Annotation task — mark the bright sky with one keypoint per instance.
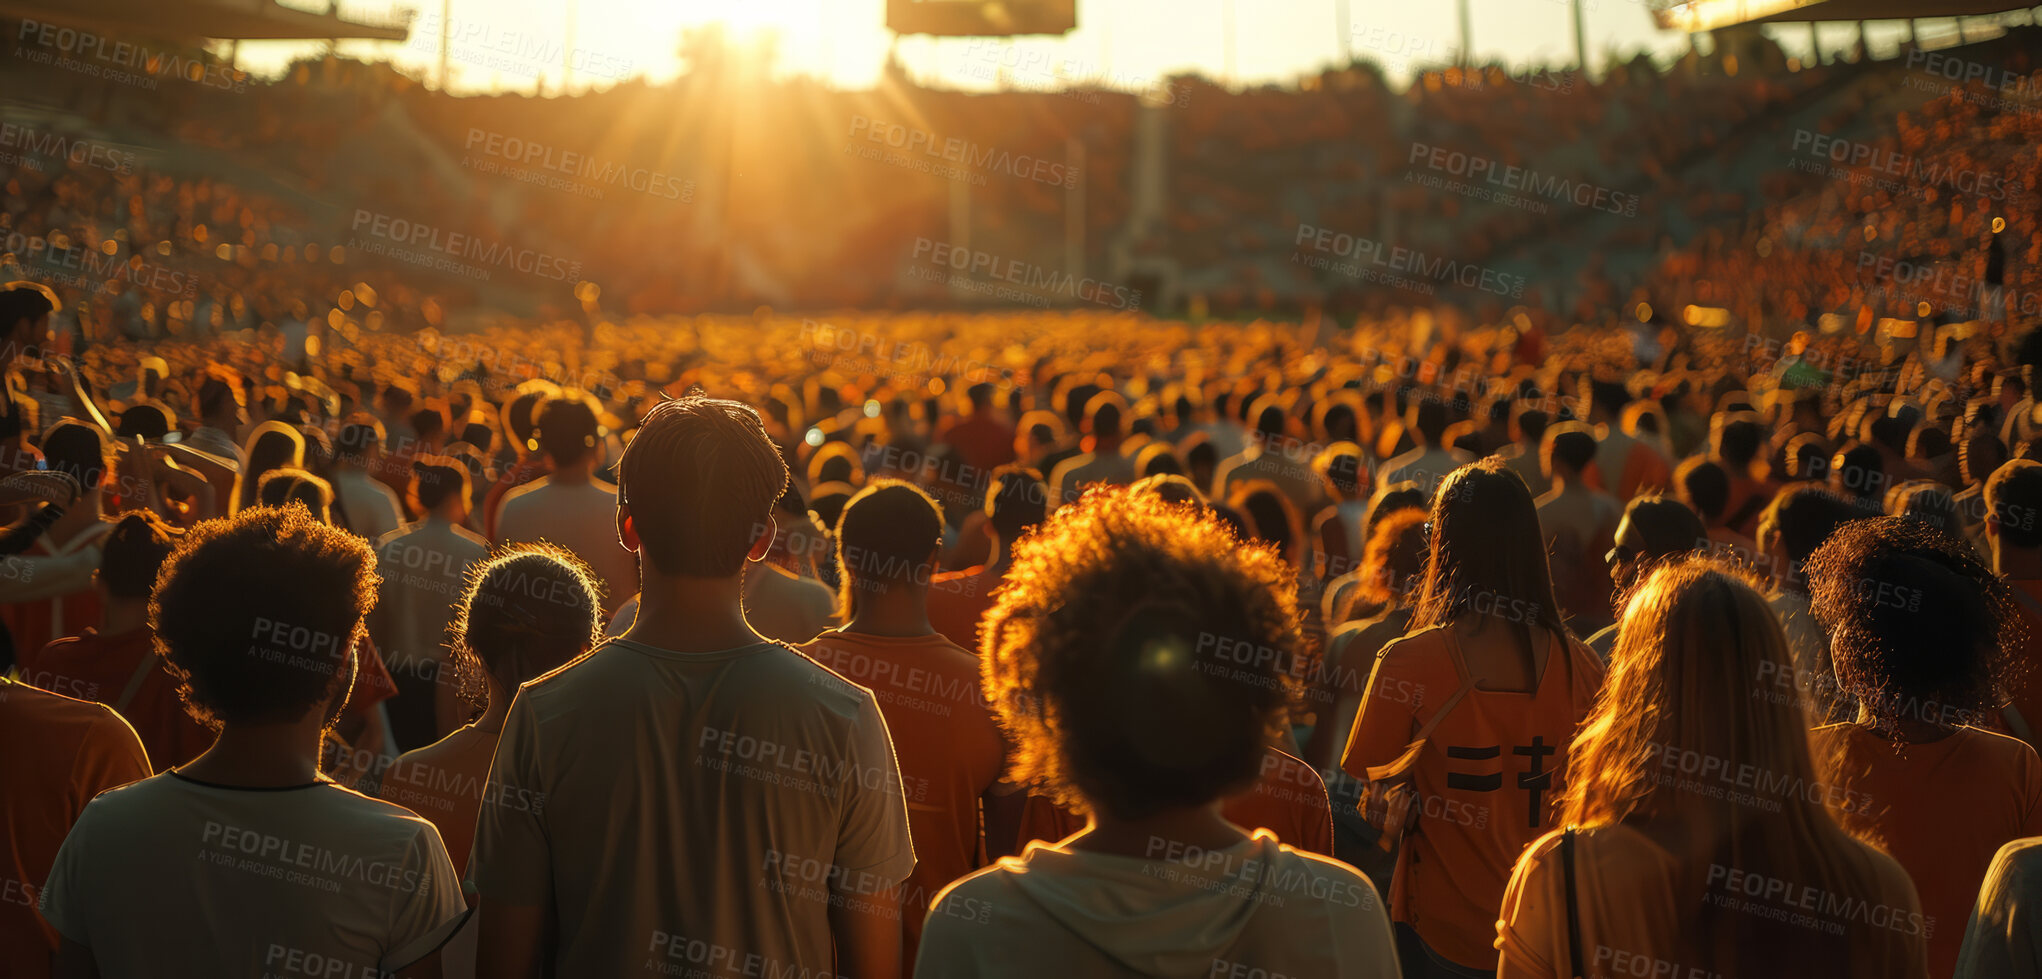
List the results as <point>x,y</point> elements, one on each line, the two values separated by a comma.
<point>1129,44</point>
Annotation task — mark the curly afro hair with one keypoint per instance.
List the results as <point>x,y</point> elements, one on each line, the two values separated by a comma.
<point>257,614</point>
<point>1920,628</point>
<point>1140,654</point>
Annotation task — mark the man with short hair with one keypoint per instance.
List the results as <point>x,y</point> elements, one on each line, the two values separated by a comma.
<point>363,503</point>
<point>1527,436</point>
<point>260,616</point>
<point>981,437</point>
<point>571,507</point>
<point>708,796</point>
<point>780,601</point>
<point>1102,461</point>
<point>1015,501</point>
<point>425,566</point>
<point>2013,528</point>
<point>221,415</point>
<point>46,591</point>
<point>1705,486</point>
<point>1792,526</point>
<point>1654,529</point>
<point>889,540</point>
<point>1579,523</point>
<point>1429,460</point>
<point>520,424</point>
<point>116,664</point>
<point>1271,457</point>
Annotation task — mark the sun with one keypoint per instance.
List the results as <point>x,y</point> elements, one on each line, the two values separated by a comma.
<point>743,18</point>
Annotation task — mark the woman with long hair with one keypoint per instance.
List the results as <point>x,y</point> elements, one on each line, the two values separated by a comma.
<point>1698,839</point>
<point>1487,688</point>
<point>273,445</point>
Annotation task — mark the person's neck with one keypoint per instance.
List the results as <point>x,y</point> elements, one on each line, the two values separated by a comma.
<point>450,513</point>
<point>1905,730</point>
<point>263,755</point>
<point>2020,563</point>
<point>573,474</point>
<point>491,721</point>
<point>120,615</point>
<point>1568,482</point>
<point>1159,836</point>
<point>691,615</point>
<point>902,610</point>
<point>1105,443</point>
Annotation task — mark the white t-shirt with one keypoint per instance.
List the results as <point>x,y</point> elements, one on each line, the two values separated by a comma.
<point>171,876</point>
<point>580,517</point>
<point>692,813</point>
<point>1255,909</point>
<point>372,509</point>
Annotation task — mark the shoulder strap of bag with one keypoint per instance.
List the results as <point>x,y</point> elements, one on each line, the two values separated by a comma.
<point>1432,724</point>
<point>1573,904</point>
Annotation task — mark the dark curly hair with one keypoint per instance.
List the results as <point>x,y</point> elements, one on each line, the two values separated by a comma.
<point>257,614</point>
<point>1919,627</point>
<point>529,610</point>
<point>1140,654</point>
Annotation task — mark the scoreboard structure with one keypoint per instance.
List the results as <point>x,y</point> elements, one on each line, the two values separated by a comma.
<point>981,18</point>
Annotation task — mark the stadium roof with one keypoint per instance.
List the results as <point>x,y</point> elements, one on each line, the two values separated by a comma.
<point>198,20</point>
<point>1704,15</point>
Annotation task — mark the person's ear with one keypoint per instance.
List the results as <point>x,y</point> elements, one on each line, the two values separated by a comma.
<point>762,541</point>
<point>627,531</point>
<point>1992,525</point>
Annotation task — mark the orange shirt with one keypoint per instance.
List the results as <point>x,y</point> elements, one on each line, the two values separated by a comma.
<point>99,668</point>
<point>945,741</point>
<point>1289,799</point>
<point>61,753</point>
<point>958,600</point>
<point>1644,470</point>
<point>1942,809</point>
<point>443,782</point>
<point>1488,780</point>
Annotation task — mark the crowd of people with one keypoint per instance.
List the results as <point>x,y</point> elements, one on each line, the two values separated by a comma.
<point>993,644</point>
<point>343,634</point>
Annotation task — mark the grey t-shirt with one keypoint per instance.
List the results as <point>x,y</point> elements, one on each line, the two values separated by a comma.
<point>170,876</point>
<point>692,813</point>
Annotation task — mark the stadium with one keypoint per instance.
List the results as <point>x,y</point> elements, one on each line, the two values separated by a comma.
<point>1021,487</point>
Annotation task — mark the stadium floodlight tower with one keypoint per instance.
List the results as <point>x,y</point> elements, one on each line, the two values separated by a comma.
<point>1000,18</point>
